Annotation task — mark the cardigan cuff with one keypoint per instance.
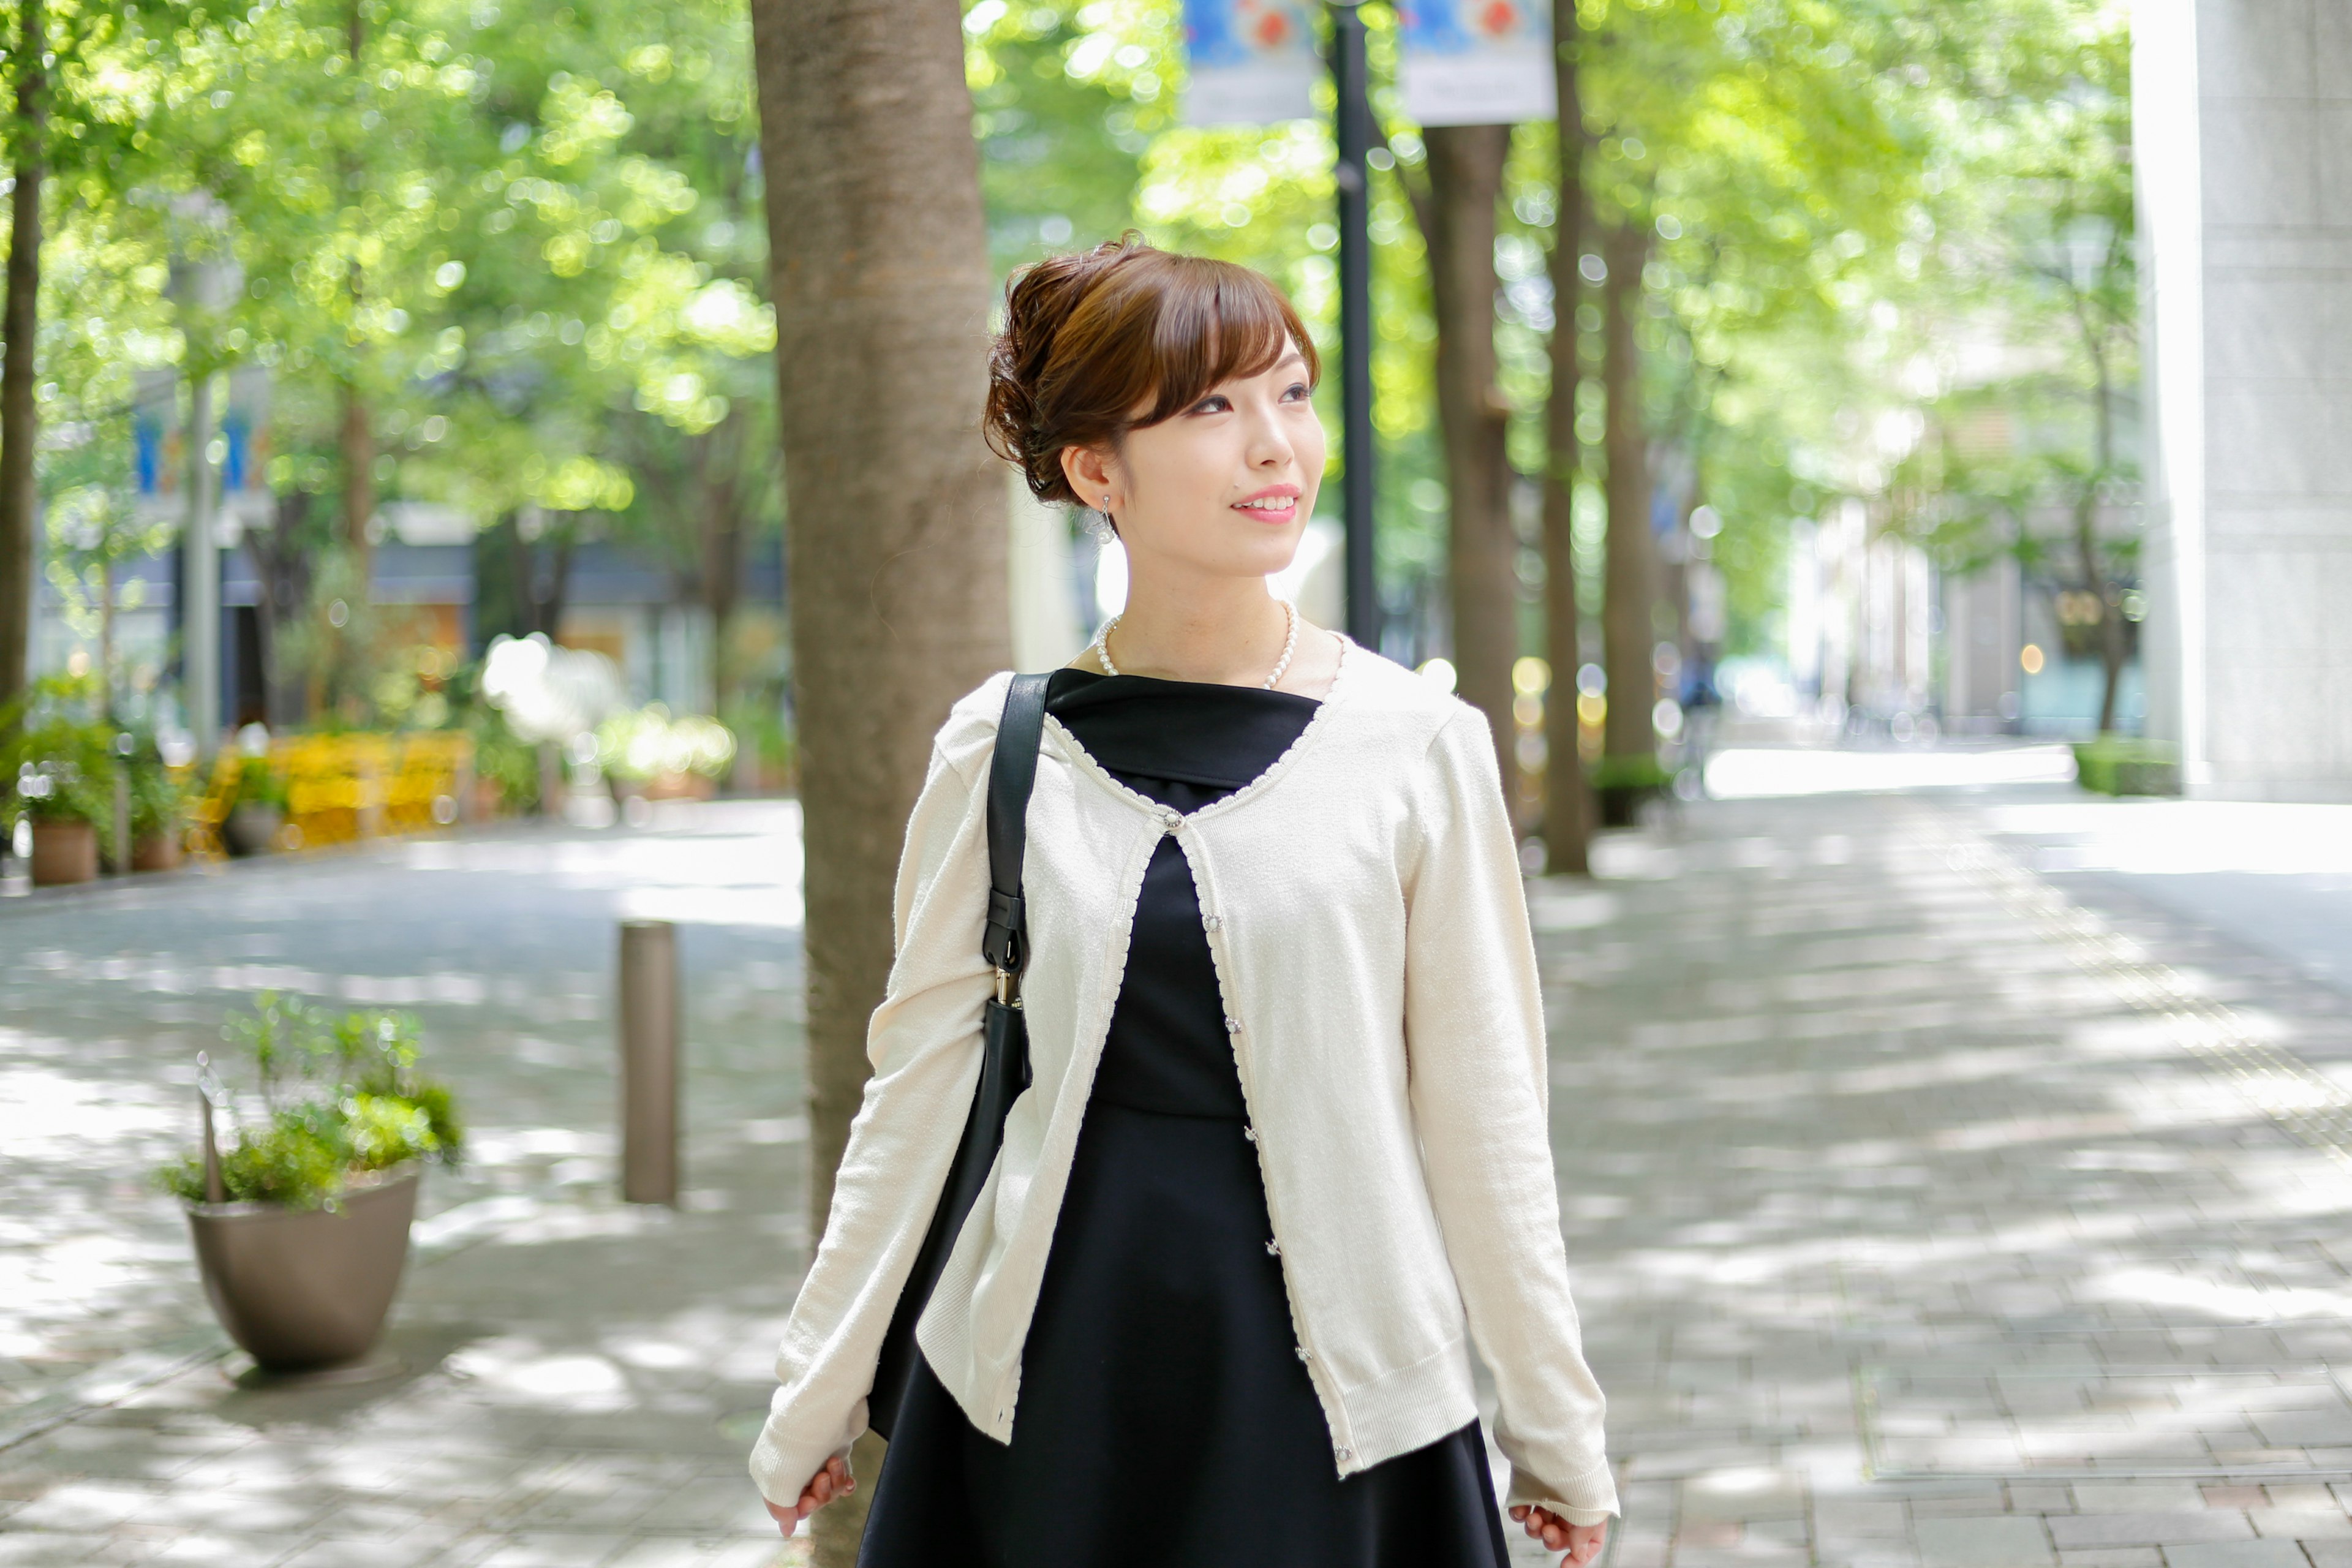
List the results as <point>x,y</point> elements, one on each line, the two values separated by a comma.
<point>1588,1499</point>
<point>782,1467</point>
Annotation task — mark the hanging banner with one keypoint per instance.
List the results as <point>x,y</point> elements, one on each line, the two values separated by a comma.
<point>245,427</point>
<point>1477,62</point>
<point>1253,62</point>
<point>155,457</point>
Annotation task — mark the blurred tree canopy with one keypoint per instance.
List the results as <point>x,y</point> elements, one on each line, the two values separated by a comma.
<point>510,259</point>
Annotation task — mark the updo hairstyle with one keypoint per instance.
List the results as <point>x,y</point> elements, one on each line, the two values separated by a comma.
<point>1123,337</point>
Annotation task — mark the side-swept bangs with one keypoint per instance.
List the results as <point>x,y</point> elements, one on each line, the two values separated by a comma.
<point>1125,337</point>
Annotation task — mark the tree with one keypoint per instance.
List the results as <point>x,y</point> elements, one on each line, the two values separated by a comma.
<point>20,419</point>
<point>2047,261</point>
<point>897,524</point>
<point>1627,635</point>
<point>1568,797</point>
<point>76,76</point>
<point>1457,213</point>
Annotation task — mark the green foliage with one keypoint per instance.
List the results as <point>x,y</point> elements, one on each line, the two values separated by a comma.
<point>58,758</point>
<point>1640,773</point>
<point>648,743</point>
<point>159,801</point>
<point>2120,764</point>
<point>503,757</point>
<point>339,1097</point>
<point>258,782</point>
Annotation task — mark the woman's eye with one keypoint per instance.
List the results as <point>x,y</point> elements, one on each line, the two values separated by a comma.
<point>1298,392</point>
<point>1215,403</point>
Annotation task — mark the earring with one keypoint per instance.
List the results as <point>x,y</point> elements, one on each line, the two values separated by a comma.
<point>1097,524</point>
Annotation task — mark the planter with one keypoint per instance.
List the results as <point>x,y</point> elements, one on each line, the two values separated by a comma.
<point>252,829</point>
<point>1620,805</point>
<point>303,1288</point>
<point>64,852</point>
<point>155,852</point>
<point>680,786</point>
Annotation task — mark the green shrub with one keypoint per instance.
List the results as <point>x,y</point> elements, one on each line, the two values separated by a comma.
<point>258,782</point>
<point>339,1097</point>
<point>503,757</point>
<point>56,757</point>
<point>2124,764</point>
<point>159,803</point>
<point>1630,772</point>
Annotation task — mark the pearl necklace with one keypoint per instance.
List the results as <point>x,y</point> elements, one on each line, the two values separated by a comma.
<point>1289,644</point>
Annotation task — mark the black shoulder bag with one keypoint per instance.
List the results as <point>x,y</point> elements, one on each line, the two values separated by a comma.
<point>1004,1038</point>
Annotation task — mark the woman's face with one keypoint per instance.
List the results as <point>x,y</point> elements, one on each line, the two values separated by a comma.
<point>1221,489</point>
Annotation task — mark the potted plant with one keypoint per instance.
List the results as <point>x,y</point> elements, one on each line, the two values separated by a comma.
<point>256,809</point>
<point>647,753</point>
<point>159,811</point>
<point>59,776</point>
<point>301,1223</point>
<point>1622,784</point>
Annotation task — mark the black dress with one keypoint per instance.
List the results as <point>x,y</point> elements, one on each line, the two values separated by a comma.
<point>1165,1420</point>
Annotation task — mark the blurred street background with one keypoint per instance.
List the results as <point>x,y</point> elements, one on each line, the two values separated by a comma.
<point>477,478</point>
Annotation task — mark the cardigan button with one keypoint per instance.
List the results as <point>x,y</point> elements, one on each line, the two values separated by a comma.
<point>1212,921</point>
<point>1249,1134</point>
<point>1172,820</point>
<point>1274,1249</point>
<point>1344,1455</point>
<point>1232,1025</point>
<point>1303,1355</point>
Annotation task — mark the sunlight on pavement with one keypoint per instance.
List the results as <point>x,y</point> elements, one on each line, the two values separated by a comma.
<point>1755,774</point>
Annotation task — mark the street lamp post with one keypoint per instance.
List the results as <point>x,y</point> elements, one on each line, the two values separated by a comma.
<point>204,279</point>
<point>1353,132</point>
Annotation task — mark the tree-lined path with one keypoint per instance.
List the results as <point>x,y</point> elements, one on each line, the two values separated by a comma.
<point>1926,1207</point>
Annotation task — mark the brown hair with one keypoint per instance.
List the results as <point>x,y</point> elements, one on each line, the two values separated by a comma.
<point>1088,340</point>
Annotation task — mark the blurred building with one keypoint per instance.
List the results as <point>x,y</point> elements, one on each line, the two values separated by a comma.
<point>426,590</point>
<point>2246,233</point>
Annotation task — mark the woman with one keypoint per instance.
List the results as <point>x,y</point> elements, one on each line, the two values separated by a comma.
<point>1286,1148</point>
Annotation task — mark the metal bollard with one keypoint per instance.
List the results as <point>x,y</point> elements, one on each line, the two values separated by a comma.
<point>122,819</point>
<point>649,1042</point>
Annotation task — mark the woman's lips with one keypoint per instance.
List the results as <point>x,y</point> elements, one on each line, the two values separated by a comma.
<point>1272,509</point>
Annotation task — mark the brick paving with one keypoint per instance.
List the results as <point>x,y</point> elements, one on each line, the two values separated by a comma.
<point>1927,1209</point>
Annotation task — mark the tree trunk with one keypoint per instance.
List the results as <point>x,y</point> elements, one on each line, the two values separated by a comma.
<point>358,442</point>
<point>1465,182</point>
<point>1568,799</point>
<point>2095,583</point>
<point>897,514</point>
<point>281,575</point>
<point>1626,633</point>
<point>719,526</point>
<point>20,418</point>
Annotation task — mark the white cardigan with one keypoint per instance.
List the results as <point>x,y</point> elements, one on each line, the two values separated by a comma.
<point>1363,904</point>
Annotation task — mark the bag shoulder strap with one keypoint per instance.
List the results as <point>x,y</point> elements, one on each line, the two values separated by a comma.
<point>1011,773</point>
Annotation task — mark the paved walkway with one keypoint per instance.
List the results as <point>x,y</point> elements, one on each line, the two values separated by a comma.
<point>1930,1212</point>
<point>583,1377</point>
<point>1937,1196</point>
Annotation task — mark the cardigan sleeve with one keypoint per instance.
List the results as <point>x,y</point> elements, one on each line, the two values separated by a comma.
<point>924,1044</point>
<point>1480,1093</point>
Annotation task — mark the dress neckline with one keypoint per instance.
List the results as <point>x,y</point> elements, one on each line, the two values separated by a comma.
<point>1317,710</point>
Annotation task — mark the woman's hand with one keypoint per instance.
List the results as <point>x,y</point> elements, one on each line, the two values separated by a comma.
<point>1583,1542</point>
<point>834,1480</point>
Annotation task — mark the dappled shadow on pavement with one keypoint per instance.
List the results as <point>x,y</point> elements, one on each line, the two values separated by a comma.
<point>1903,1232</point>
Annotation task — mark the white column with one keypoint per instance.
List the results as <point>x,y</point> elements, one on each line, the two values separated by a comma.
<point>2244,145</point>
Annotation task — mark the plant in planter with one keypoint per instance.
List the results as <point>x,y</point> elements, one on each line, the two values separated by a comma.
<point>256,807</point>
<point>648,752</point>
<point>302,1224</point>
<point>1622,784</point>
<point>58,772</point>
<point>159,811</point>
